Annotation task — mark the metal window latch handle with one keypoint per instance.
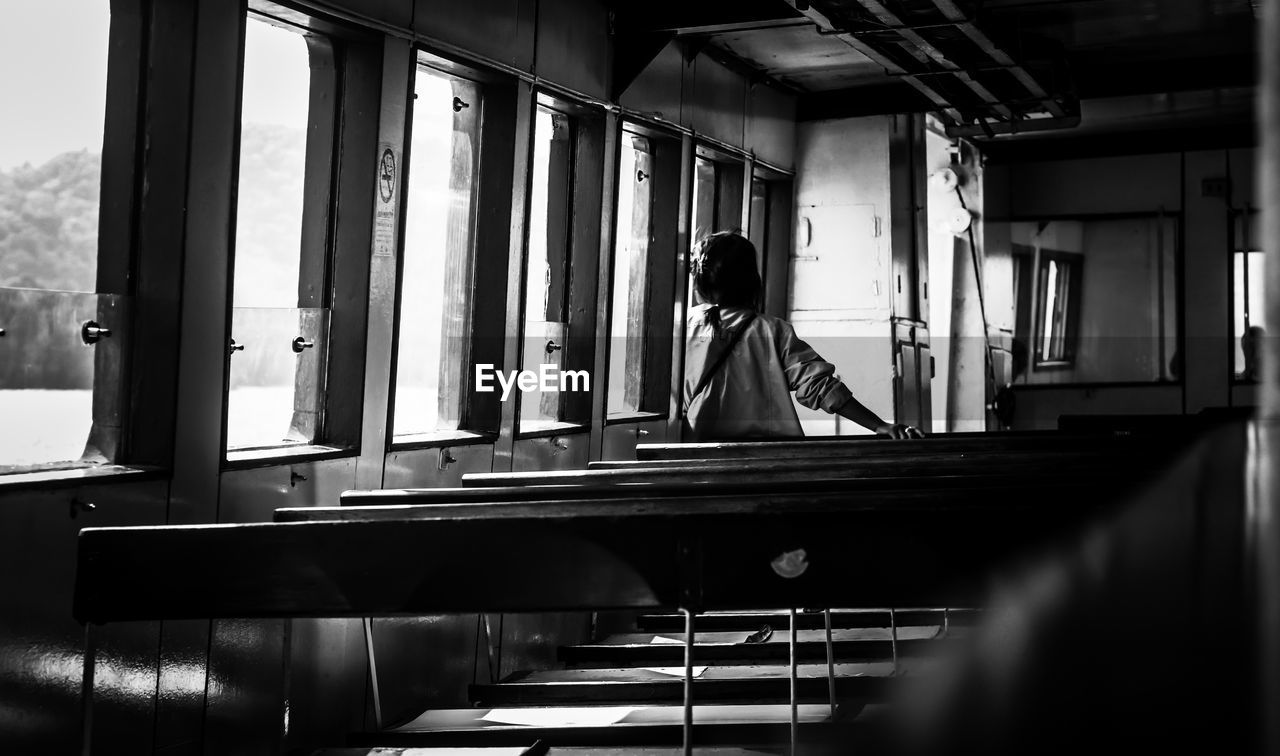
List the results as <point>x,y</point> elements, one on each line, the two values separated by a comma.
<point>641,175</point>
<point>553,347</point>
<point>446,459</point>
<point>2,333</point>
<point>641,432</point>
<point>558,445</point>
<point>459,104</point>
<point>80,505</point>
<point>92,333</point>
<point>301,343</point>
<point>234,347</point>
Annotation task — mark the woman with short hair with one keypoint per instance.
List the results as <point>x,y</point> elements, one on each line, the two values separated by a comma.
<point>741,365</point>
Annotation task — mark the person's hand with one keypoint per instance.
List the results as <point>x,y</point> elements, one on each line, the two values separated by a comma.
<point>898,431</point>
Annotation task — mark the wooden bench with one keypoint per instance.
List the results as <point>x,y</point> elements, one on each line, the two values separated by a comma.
<point>841,446</point>
<point>922,531</point>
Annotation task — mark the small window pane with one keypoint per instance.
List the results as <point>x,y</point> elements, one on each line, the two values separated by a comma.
<point>547,275</point>
<point>630,277</point>
<point>273,162</point>
<point>435,304</point>
<point>272,380</point>
<point>704,213</point>
<point>50,181</point>
<point>1248,270</point>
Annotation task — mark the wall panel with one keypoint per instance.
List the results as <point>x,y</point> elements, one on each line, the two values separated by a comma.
<point>573,48</point>
<point>658,92</point>
<point>771,125</point>
<point>41,645</point>
<point>719,102</point>
<point>501,30</point>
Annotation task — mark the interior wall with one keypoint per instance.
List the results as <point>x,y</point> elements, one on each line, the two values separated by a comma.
<point>1172,182</point>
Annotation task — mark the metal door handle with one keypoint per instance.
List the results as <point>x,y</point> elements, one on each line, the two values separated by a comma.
<point>234,347</point>
<point>553,347</point>
<point>92,333</point>
<point>301,343</point>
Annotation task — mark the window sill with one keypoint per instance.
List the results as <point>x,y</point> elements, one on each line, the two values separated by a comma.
<point>238,459</point>
<point>622,418</point>
<point>436,439</point>
<point>546,430</point>
<point>68,477</point>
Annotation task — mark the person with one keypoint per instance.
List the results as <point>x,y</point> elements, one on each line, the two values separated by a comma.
<point>741,365</point>
<point>1251,346</point>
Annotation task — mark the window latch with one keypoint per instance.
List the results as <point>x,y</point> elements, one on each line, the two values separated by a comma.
<point>234,347</point>
<point>641,175</point>
<point>301,343</point>
<point>2,332</point>
<point>91,333</point>
<point>459,104</point>
<point>553,347</point>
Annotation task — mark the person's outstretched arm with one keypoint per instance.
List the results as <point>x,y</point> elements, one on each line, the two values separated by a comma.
<point>817,386</point>
<point>854,410</point>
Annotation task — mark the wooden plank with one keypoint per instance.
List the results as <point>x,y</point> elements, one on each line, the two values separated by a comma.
<point>851,645</point>
<point>717,725</point>
<point>717,684</point>
<point>870,492</point>
<point>840,618</point>
<point>819,447</point>
<point>718,553</point>
<point>772,470</point>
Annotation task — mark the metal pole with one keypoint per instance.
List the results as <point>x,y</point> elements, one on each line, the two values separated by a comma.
<point>688,682</point>
<point>893,637</point>
<point>795,709</point>
<point>86,692</point>
<point>831,664</point>
<point>373,674</point>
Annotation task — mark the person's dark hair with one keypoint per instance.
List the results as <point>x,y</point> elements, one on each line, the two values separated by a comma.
<point>725,272</point>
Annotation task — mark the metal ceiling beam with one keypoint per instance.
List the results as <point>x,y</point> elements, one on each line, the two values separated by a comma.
<point>953,13</point>
<point>826,25</point>
<point>895,24</point>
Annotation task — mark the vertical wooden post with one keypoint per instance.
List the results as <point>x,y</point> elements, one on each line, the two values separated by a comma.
<point>1266,512</point>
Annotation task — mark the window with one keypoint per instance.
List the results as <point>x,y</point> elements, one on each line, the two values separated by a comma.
<point>546,317</point>
<point>1058,314</point>
<point>632,242</point>
<point>704,212</point>
<point>1095,299</point>
<point>280,319</point>
<point>53,367</point>
<point>1247,275</point>
<point>434,324</point>
<point>717,201</point>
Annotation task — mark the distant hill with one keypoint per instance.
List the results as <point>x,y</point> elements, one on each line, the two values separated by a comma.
<point>49,219</point>
<point>49,223</point>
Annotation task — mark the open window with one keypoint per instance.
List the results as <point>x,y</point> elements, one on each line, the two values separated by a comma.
<point>770,231</point>
<point>64,270</point>
<point>560,273</point>
<point>279,347</point>
<point>1057,313</point>
<point>1070,325</point>
<point>717,200</point>
<point>434,323</point>
<point>1247,275</point>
